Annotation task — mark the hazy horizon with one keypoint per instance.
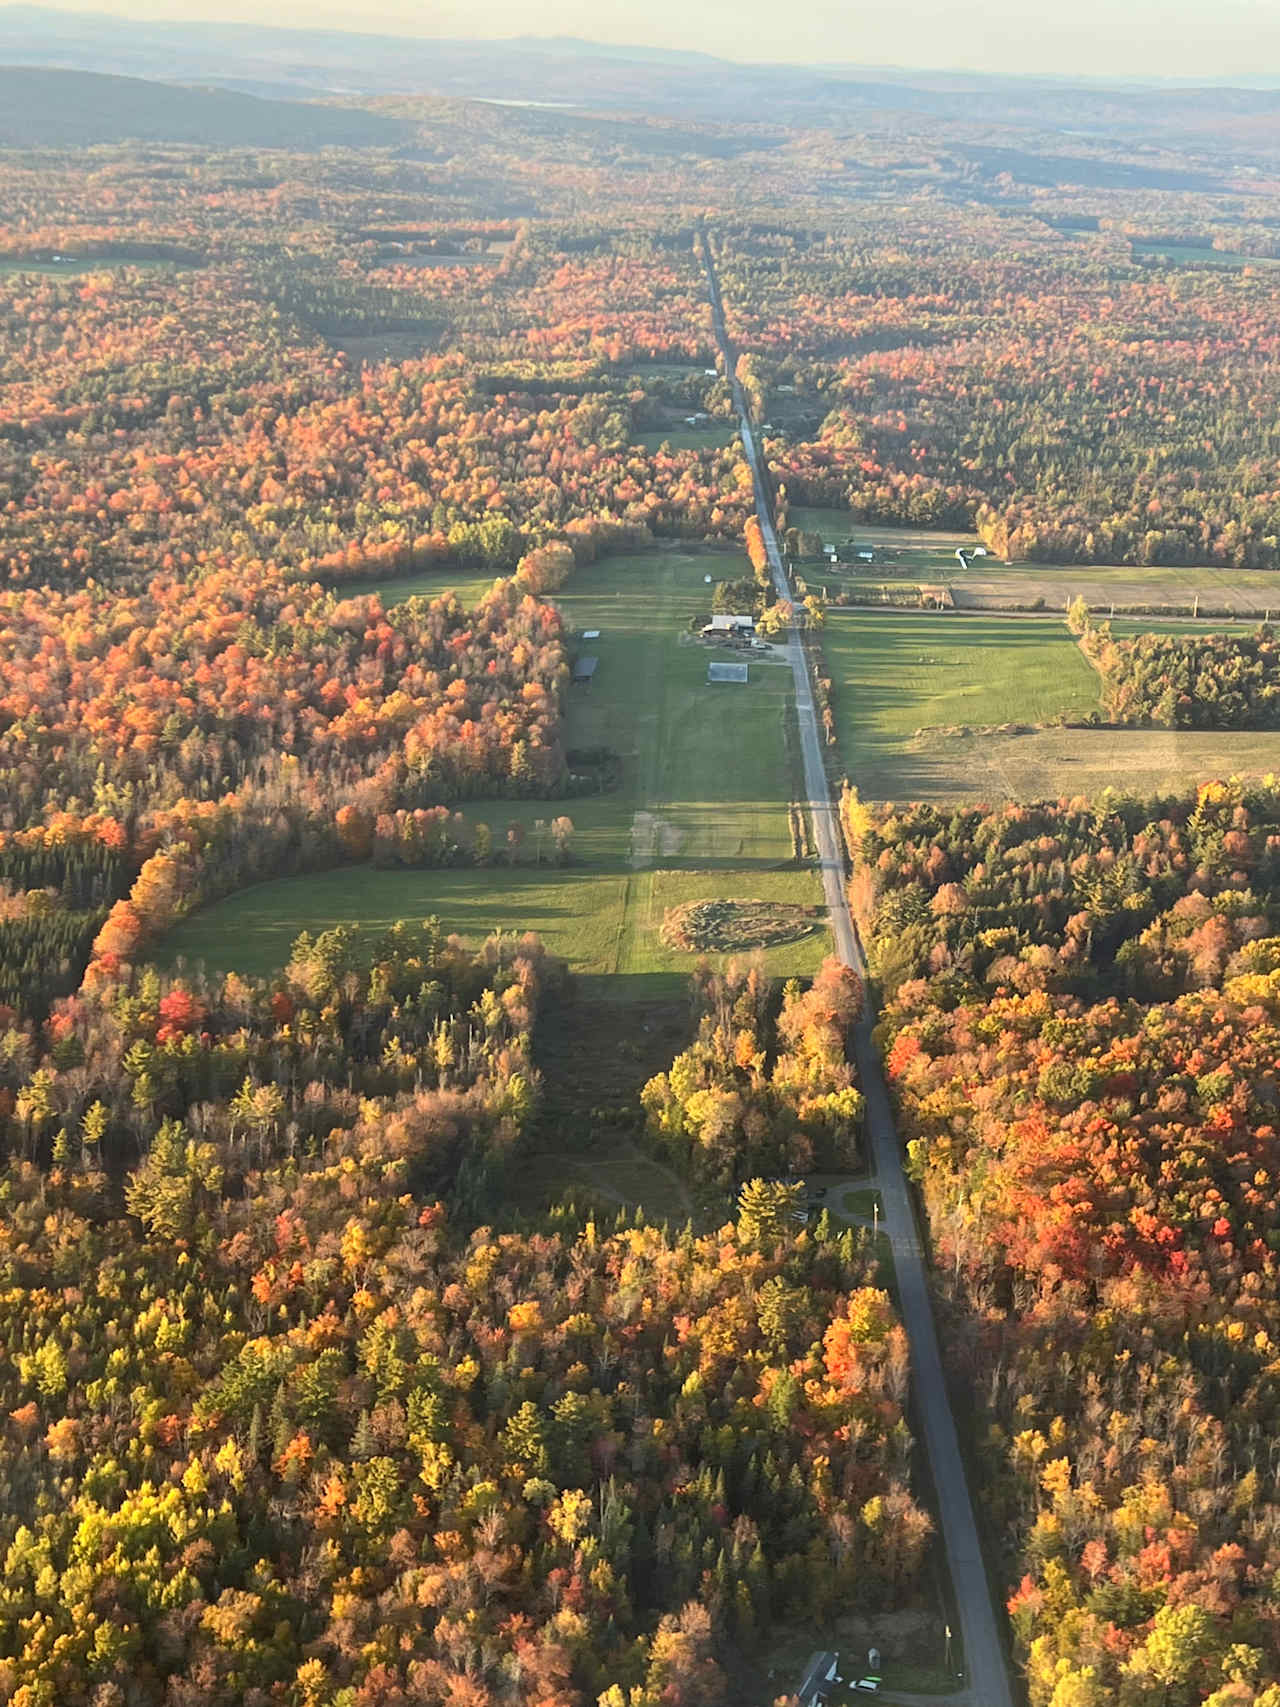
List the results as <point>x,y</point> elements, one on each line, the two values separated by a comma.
<point>1145,39</point>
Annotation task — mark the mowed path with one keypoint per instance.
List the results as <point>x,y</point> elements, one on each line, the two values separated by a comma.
<point>988,1675</point>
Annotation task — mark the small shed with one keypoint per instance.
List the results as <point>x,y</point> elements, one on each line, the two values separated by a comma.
<point>718,672</point>
<point>819,1675</point>
<point>591,634</point>
<point>584,668</point>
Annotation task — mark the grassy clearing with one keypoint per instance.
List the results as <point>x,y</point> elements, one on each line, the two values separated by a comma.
<point>860,1202</point>
<point>701,811</point>
<point>574,912</point>
<point>910,1639</point>
<point>1050,763</point>
<point>711,437</point>
<point>991,584</point>
<point>470,585</point>
<point>1175,254</point>
<point>896,674</point>
<point>836,525</point>
<point>92,264</point>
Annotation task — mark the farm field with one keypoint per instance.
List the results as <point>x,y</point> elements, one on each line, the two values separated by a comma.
<point>990,584</point>
<point>91,264</point>
<point>894,674</point>
<point>835,524</point>
<point>701,810</point>
<point>1050,763</point>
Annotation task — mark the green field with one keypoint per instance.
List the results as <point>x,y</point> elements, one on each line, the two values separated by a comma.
<point>711,437</point>
<point>896,674</point>
<point>469,584</point>
<point>701,810</point>
<point>1197,256</point>
<point>919,545</point>
<point>89,264</point>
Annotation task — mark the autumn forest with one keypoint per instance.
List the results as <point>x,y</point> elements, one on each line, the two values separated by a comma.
<point>419,1315</point>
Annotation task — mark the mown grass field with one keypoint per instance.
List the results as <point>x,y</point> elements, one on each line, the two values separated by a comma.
<point>711,437</point>
<point>701,810</point>
<point>470,586</point>
<point>896,673</point>
<point>926,547</point>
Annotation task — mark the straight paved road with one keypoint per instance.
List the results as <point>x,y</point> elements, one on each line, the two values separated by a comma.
<point>988,1676</point>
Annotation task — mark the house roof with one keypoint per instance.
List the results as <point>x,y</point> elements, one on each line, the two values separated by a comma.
<point>820,1670</point>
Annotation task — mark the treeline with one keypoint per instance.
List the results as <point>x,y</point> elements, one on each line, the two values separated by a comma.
<point>1081,1033</point>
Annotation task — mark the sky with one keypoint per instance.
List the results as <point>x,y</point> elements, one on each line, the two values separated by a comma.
<point>1130,38</point>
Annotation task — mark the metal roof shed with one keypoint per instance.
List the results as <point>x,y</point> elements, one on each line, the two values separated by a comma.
<point>584,668</point>
<point>727,673</point>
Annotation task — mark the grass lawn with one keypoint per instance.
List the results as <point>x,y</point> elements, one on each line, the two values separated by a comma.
<point>896,674</point>
<point>701,810</point>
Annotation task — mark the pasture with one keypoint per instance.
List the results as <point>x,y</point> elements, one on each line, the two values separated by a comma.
<point>701,810</point>
<point>894,674</point>
<point>904,682</point>
<point>470,585</point>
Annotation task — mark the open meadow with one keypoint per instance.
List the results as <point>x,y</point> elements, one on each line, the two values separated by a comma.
<point>700,812</point>
<point>895,674</point>
<point>918,698</point>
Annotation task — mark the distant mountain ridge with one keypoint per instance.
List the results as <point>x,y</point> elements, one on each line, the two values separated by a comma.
<point>341,61</point>
<point>60,108</point>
